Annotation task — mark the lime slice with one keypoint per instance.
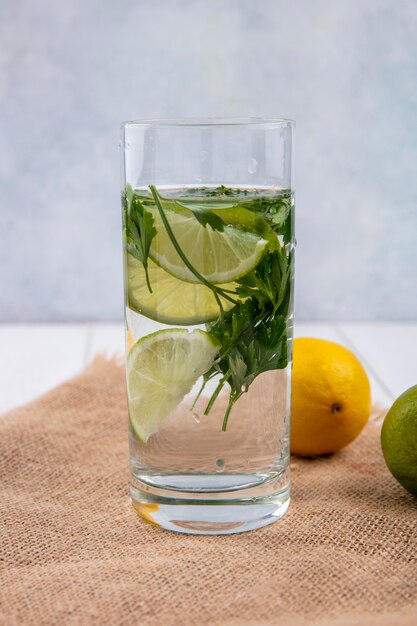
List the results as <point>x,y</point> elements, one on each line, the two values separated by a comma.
<point>161,369</point>
<point>172,301</point>
<point>220,256</point>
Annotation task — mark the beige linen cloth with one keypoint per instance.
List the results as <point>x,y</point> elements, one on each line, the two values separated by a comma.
<point>73,550</point>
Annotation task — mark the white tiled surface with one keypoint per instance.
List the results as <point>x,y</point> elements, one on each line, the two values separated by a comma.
<point>35,358</point>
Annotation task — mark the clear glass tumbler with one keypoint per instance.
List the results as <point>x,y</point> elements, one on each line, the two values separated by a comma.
<point>208,265</point>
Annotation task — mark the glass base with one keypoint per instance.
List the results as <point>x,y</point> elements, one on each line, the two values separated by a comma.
<point>210,516</point>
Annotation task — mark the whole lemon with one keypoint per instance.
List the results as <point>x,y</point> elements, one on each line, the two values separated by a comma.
<point>331,397</point>
<point>399,439</point>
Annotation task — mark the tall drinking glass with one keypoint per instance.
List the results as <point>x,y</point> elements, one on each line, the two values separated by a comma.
<point>208,265</point>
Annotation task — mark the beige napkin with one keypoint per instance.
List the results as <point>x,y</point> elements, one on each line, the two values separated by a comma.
<point>73,551</point>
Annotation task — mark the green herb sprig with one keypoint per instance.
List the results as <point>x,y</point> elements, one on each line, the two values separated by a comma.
<point>277,212</point>
<point>253,342</point>
<point>253,334</point>
<point>138,229</point>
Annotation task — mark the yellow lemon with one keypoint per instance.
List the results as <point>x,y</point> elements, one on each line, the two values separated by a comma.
<point>331,400</point>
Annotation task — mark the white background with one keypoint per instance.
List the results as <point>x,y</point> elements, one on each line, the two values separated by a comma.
<point>70,72</point>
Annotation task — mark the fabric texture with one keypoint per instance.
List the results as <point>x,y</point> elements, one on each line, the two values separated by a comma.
<point>73,550</point>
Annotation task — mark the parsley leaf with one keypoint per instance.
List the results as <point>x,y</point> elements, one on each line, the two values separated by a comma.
<point>270,282</point>
<point>138,229</point>
<point>277,211</point>
<point>204,215</point>
<point>253,342</point>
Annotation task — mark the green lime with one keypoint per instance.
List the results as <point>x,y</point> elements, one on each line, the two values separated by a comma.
<point>172,301</point>
<point>399,439</point>
<point>220,256</point>
<point>161,369</point>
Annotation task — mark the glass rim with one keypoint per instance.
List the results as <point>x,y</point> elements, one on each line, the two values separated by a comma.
<point>201,122</point>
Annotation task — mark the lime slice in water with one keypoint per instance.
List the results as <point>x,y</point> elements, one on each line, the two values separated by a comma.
<point>161,369</point>
<point>220,256</point>
<point>172,301</point>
